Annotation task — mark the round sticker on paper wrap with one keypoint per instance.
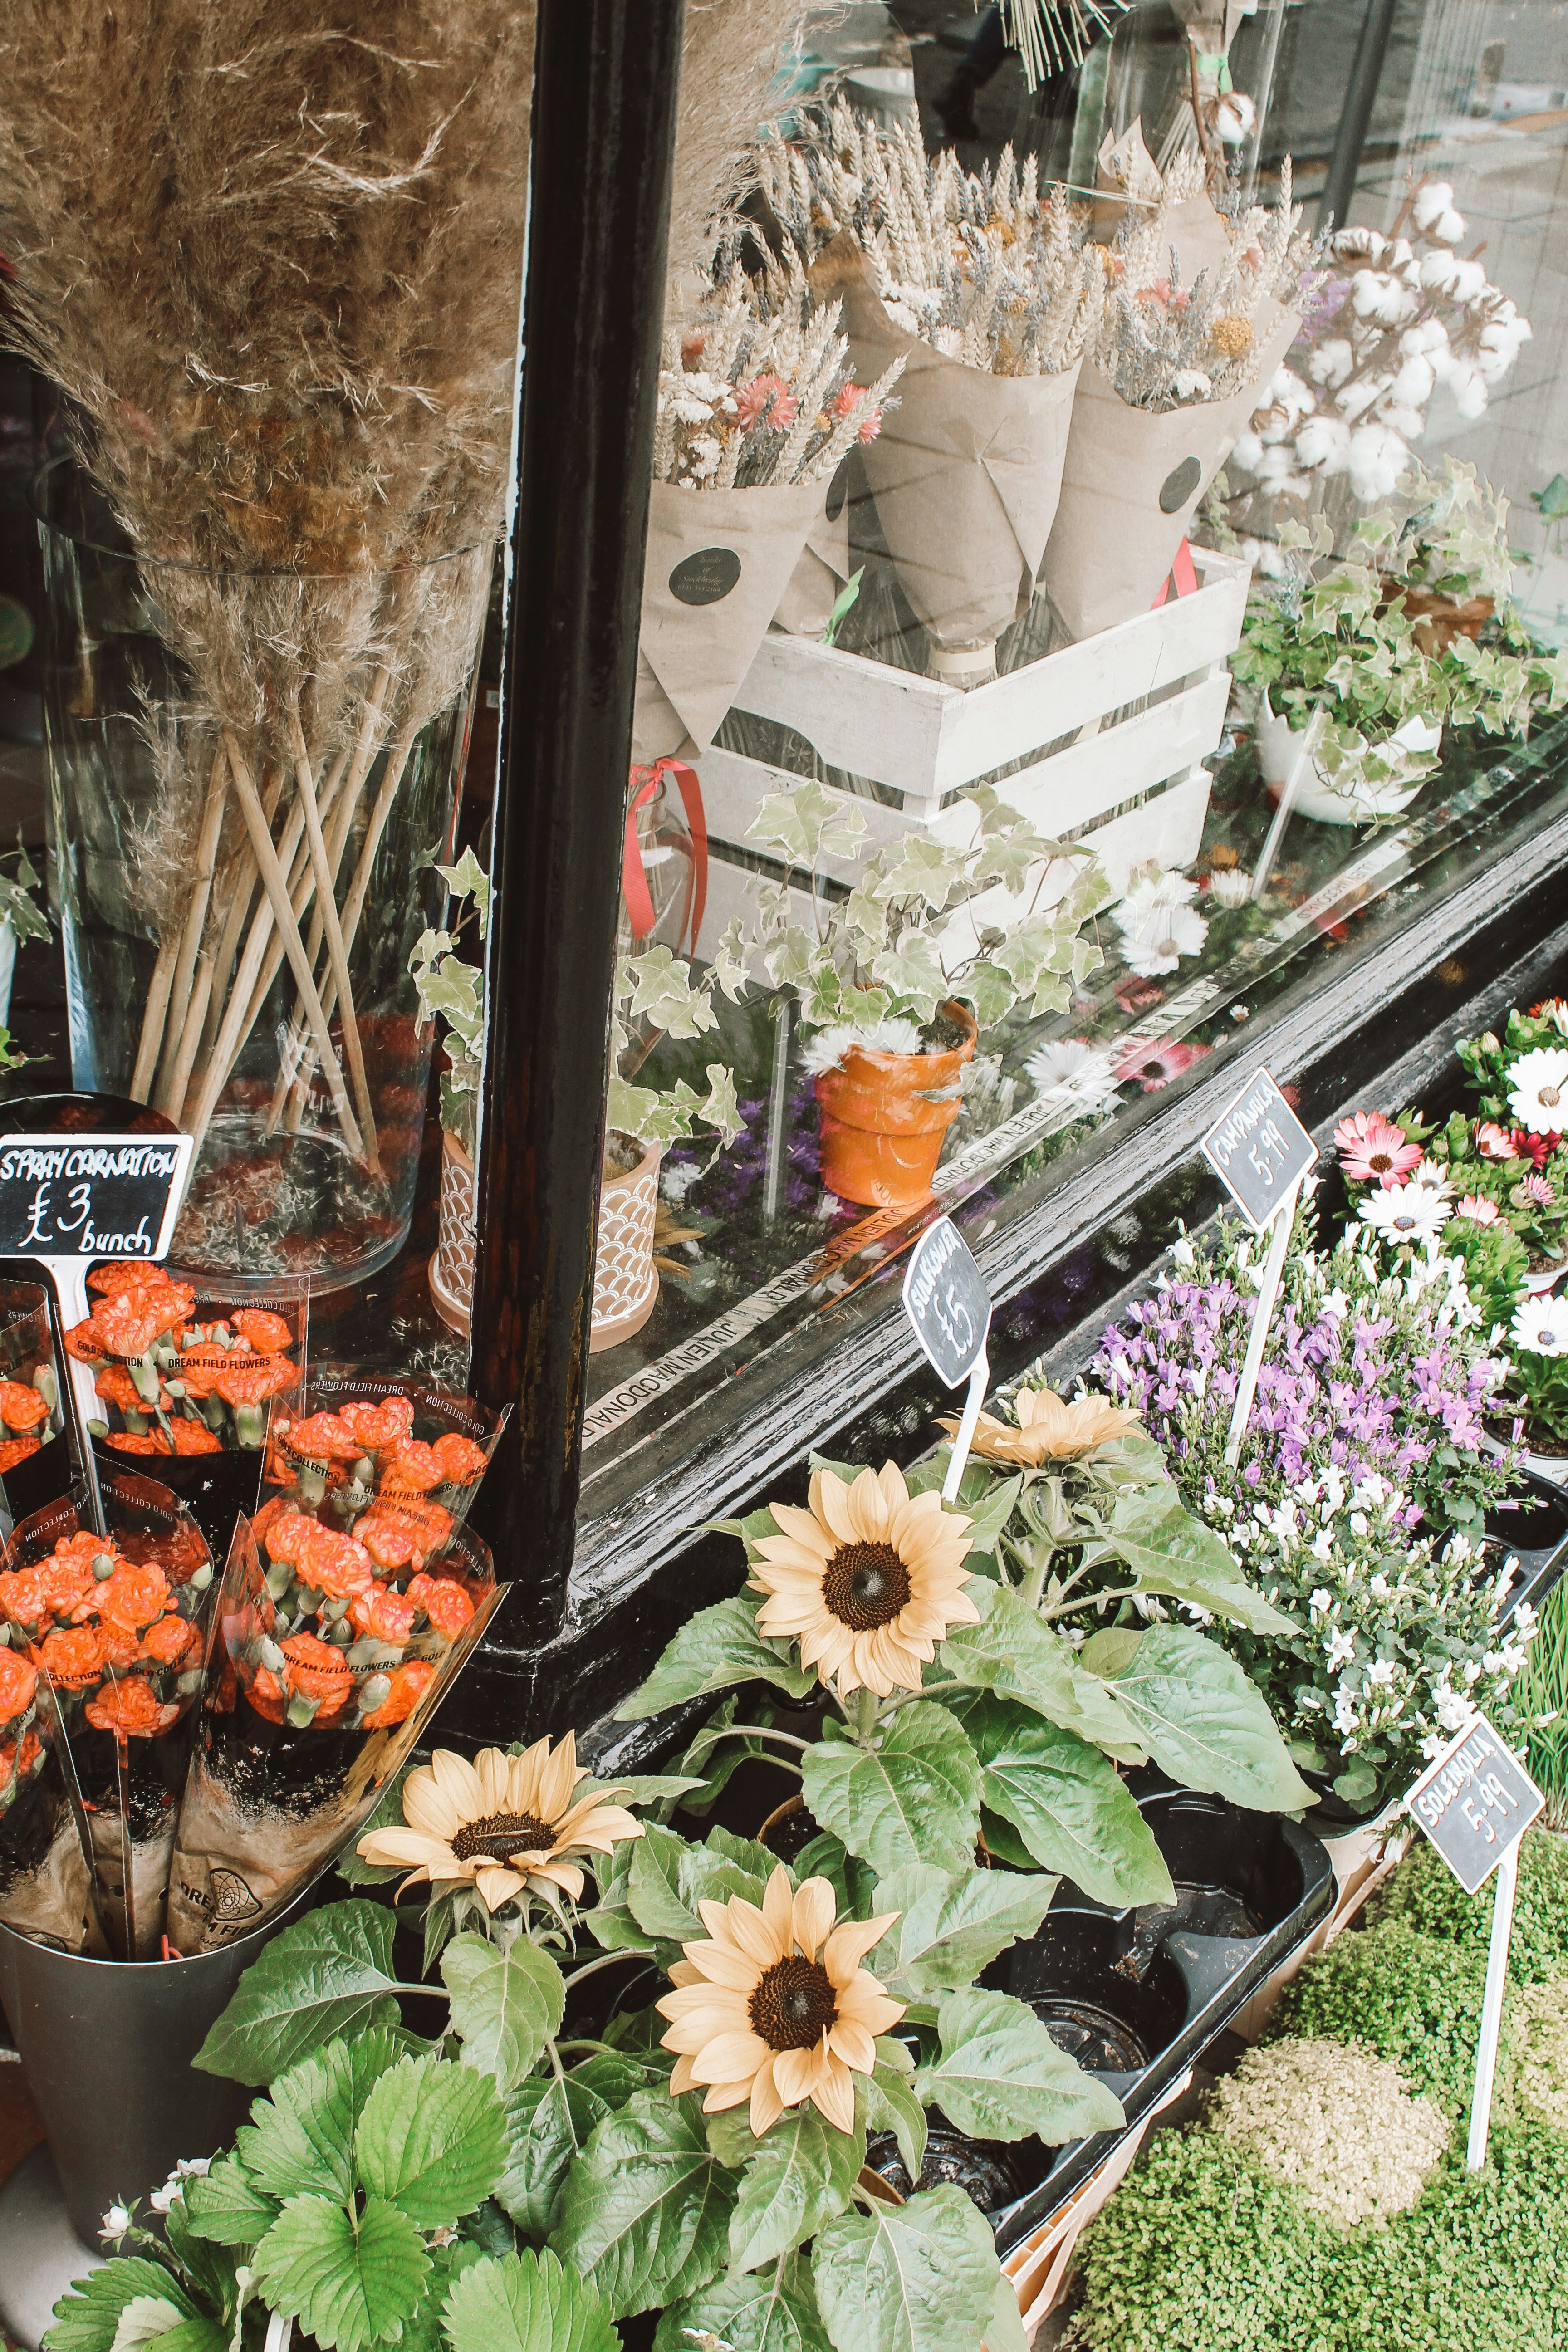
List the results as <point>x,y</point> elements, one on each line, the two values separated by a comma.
<point>706,577</point>
<point>1175,490</point>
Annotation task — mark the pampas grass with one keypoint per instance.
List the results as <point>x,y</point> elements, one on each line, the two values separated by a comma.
<point>730,52</point>
<point>270,250</point>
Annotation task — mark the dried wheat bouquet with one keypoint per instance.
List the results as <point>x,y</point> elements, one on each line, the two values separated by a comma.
<point>271,252</point>
<point>976,263</point>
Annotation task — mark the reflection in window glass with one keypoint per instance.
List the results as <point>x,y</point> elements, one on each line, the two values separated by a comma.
<point>932,877</point>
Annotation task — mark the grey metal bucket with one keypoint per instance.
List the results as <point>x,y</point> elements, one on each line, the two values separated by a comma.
<point>107,2047</point>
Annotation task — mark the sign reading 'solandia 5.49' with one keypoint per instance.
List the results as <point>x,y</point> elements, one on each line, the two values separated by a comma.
<point>93,1196</point>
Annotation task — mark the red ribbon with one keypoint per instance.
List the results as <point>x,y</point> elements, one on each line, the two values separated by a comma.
<point>634,880</point>
<point>1182,577</point>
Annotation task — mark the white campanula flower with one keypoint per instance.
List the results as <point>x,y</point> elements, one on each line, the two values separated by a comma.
<point>1323,1544</point>
<point>1541,1326</point>
<point>1538,1090</point>
<point>1319,1603</point>
<point>1380,1674</point>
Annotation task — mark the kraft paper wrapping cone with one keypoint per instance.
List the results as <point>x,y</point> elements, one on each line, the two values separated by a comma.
<point>825,564</point>
<point>1131,485</point>
<point>718,562</point>
<point>43,1865</point>
<point>965,470</point>
<point>271,1797</point>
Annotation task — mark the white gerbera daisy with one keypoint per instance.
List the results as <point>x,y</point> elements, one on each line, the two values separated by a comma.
<point>1541,1326</point>
<point>1408,1214</point>
<point>1072,1072</point>
<point>1538,1090</point>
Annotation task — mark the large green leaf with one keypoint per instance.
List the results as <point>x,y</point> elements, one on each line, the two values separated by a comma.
<point>891,2103</point>
<point>527,2303</point>
<point>87,2319</point>
<point>1004,2328</point>
<point>1173,1554</point>
<point>301,2140</point>
<point>505,2005</point>
<point>432,2140</point>
<point>952,1924</point>
<point>329,1974</point>
<point>349,2282</point>
<point>1067,1802</point>
<point>766,2311</point>
<point>549,2122</point>
<point>919,2277</point>
<point>646,2207</point>
<point>1014,1652</point>
<point>1201,1717</point>
<point>796,2177</point>
<point>916,1798</point>
<point>1001,2076</point>
<point>713,1650</point>
<point>224,2205</point>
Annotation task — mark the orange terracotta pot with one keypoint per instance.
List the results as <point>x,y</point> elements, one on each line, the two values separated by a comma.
<point>881,1137</point>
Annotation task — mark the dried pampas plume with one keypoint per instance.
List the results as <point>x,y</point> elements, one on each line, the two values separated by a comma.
<point>270,250</point>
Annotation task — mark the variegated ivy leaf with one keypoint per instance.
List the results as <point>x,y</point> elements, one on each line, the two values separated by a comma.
<point>728,967</point>
<point>662,993</point>
<point>720,1111</point>
<point>467,880</point>
<point>923,869</point>
<point>789,958</point>
<point>989,992</point>
<point>808,823</point>
<point>913,970</point>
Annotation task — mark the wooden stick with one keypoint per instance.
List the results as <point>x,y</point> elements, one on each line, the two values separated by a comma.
<point>327,908</point>
<point>354,906</point>
<point>293,945</point>
<point>239,887</point>
<point>228,1043</point>
<point>191,938</point>
<point>171,1100</point>
<point>152,1018</point>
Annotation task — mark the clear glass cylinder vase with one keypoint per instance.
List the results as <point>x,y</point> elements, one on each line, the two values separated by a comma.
<point>220,746</point>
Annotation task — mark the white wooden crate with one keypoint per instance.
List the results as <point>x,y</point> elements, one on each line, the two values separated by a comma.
<point>1140,706</point>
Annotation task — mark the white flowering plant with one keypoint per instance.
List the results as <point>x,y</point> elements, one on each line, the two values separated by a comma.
<point>1158,921</point>
<point>1394,318</point>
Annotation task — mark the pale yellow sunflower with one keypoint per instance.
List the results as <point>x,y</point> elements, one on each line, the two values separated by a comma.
<point>1050,1429</point>
<point>869,1579</point>
<point>774,2005</point>
<point>501,1824</point>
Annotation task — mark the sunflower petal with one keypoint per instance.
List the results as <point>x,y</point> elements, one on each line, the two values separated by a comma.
<point>850,1943</point>
<point>815,1910</point>
<point>767,2104</point>
<point>835,2095</point>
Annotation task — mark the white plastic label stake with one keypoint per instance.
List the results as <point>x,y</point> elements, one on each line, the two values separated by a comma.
<point>949,1307</point>
<point>1268,1290</point>
<point>1474,1802</point>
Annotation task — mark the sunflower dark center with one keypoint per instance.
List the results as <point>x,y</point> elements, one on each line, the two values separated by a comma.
<point>865,1585</point>
<point>793,2004</point>
<point>497,1835</point>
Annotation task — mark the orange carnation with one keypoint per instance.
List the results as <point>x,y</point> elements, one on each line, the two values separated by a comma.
<point>268,1333</point>
<point>322,1437</point>
<point>138,1440</point>
<point>18,1681</point>
<point>376,1425</point>
<point>409,1682</point>
<point>333,1563</point>
<point>132,1597</point>
<point>21,1409</point>
<point>193,1436</point>
<point>384,1615</point>
<point>73,1657</point>
<point>169,1639</point>
<point>460,1459</point>
<point>444,1601</point>
<point>414,1468</point>
<point>318,1671</point>
<point>251,1380</point>
<point>130,1710</point>
<point>16,1449</point>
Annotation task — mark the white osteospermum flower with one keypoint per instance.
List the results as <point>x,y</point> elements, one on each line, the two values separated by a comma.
<point>1230,887</point>
<point>1073,1070</point>
<point>1168,934</point>
<point>1538,1090</point>
<point>828,1048</point>
<point>1541,1326</point>
<point>1404,1215</point>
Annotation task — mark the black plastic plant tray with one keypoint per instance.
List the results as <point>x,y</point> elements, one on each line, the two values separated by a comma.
<point>1537,1533</point>
<point>1136,1996</point>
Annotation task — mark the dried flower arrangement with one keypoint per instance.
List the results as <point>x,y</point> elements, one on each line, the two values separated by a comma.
<point>1165,345</point>
<point>757,388</point>
<point>300,427</point>
<point>1394,318</point>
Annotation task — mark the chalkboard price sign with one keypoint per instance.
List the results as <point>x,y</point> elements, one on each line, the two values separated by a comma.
<point>946,1300</point>
<point>1259,1149</point>
<point>1475,1802</point>
<point>90,1196</point>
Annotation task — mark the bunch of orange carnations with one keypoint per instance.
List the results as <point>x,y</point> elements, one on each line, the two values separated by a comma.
<point>182,1376</point>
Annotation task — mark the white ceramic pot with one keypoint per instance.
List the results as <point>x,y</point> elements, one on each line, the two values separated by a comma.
<point>1548,1278</point>
<point>1278,748</point>
<point>625,1279</point>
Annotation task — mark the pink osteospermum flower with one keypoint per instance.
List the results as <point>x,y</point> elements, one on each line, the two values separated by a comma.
<point>766,400</point>
<point>1479,1211</point>
<point>1155,1067</point>
<point>1494,1142</point>
<point>1537,1190</point>
<point>1372,1149</point>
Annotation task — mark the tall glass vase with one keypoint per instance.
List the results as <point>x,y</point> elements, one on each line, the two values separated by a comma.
<point>221,746</point>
